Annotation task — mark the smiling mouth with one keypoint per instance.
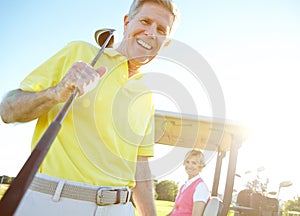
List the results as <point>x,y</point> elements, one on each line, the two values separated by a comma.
<point>144,44</point>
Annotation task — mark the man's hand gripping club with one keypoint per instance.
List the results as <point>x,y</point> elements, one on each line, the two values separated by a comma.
<point>81,76</point>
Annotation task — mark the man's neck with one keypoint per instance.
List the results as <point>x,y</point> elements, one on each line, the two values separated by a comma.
<point>132,69</point>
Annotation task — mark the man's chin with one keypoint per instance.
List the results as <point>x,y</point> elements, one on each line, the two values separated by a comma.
<point>140,61</point>
<point>144,60</point>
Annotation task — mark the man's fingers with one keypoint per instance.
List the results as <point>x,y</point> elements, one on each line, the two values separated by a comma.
<point>101,70</point>
<point>90,84</point>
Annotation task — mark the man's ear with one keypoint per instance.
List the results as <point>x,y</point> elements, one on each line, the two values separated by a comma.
<point>126,21</point>
<point>167,43</point>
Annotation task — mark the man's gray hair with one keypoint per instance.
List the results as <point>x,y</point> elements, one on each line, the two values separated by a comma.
<point>169,4</point>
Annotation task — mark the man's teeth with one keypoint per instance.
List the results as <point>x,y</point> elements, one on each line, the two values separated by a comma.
<point>144,44</point>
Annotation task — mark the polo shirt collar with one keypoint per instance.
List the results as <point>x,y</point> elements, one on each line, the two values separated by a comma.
<point>113,53</point>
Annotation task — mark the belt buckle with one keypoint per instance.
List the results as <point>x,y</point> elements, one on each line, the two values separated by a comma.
<point>99,197</point>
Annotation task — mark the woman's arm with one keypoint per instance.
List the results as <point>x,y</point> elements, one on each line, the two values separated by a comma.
<point>170,212</point>
<point>198,208</point>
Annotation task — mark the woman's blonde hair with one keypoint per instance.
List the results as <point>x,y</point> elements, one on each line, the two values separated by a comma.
<point>169,4</point>
<point>197,154</point>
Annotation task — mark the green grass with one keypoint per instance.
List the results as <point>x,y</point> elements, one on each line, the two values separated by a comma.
<point>230,213</point>
<point>163,207</point>
<point>3,188</point>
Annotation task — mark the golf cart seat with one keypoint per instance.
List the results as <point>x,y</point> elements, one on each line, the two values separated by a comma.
<point>213,207</point>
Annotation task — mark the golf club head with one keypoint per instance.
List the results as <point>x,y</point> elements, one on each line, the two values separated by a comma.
<point>102,34</point>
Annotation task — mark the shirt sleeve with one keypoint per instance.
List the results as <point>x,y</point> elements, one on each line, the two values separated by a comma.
<point>52,71</point>
<point>201,193</point>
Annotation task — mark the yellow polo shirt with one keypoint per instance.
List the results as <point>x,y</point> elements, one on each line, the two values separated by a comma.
<point>105,129</point>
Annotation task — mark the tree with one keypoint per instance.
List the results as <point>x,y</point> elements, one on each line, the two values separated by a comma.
<point>6,179</point>
<point>166,190</point>
<point>292,205</point>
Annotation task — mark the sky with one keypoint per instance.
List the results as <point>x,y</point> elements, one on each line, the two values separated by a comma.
<point>252,47</point>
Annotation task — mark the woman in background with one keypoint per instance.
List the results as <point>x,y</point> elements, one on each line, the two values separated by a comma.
<point>194,194</point>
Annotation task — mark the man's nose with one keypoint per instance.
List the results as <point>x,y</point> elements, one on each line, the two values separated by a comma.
<point>151,31</point>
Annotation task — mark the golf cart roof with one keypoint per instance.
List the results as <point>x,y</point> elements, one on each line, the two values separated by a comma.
<point>191,131</point>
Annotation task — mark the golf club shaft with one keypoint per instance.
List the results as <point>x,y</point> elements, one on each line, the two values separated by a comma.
<point>20,184</point>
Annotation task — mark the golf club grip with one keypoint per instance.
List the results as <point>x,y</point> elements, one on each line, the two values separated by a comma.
<point>20,184</point>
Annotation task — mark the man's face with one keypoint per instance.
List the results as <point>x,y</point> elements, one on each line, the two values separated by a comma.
<point>147,32</point>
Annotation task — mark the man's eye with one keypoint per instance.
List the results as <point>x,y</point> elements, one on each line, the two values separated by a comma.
<point>162,32</point>
<point>145,22</point>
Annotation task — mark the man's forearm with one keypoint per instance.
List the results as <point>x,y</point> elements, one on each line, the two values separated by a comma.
<point>143,191</point>
<point>20,106</point>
